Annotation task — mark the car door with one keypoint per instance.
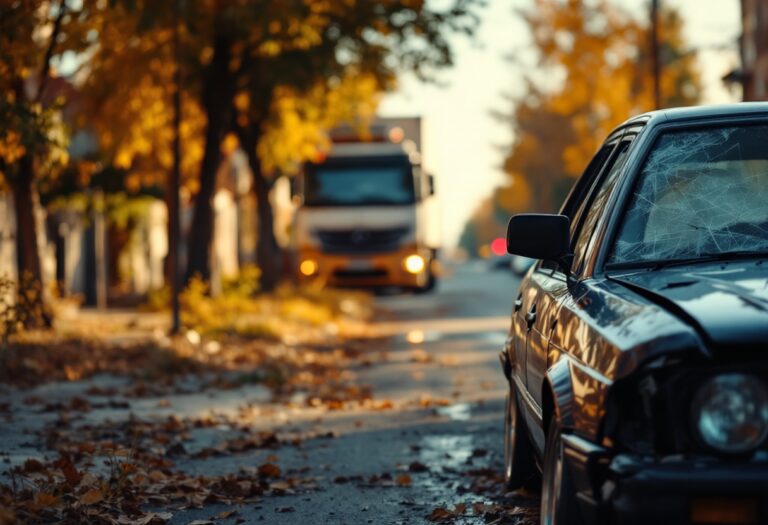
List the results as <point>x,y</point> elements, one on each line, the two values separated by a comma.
<point>539,294</point>
<point>585,304</point>
<point>549,284</point>
<point>524,309</point>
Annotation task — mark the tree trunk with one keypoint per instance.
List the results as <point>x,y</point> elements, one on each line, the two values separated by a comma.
<point>268,253</point>
<point>33,312</point>
<point>217,102</point>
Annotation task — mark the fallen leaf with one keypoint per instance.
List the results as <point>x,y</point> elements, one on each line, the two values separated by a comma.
<point>440,514</point>
<point>418,467</point>
<point>403,480</point>
<point>91,497</point>
<point>280,486</point>
<point>43,500</point>
<point>33,465</point>
<point>147,519</point>
<point>481,509</point>
<point>269,470</point>
<point>69,470</point>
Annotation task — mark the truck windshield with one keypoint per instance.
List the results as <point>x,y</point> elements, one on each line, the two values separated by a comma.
<point>356,186</point>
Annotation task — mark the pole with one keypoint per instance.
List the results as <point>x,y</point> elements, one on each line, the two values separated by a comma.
<point>174,227</point>
<point>655,57</point>
<point>100,249</point>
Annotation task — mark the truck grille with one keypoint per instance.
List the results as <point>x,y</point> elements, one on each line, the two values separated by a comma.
<point>357,241</point>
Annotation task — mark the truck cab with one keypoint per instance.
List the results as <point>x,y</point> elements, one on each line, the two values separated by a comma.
<point>367,216</point>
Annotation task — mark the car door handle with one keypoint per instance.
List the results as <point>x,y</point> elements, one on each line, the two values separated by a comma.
<point>530,317</point>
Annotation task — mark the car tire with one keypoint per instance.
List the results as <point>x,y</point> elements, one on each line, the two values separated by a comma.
<point>558,501</point>
<point>519,466</point>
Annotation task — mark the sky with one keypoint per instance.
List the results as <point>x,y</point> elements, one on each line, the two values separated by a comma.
<point>463,143</point>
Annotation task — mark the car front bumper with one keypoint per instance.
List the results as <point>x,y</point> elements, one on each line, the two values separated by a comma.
<point>627,489</point>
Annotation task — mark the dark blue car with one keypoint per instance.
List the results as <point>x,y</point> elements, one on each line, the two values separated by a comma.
<point>638,354</point>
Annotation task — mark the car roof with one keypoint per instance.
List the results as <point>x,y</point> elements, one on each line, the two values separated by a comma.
<point>698,112</point>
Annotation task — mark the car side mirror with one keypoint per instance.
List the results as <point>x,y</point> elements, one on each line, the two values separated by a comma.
<point>539,236</point>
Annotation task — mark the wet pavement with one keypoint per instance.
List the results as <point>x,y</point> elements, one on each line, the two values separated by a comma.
<point>435,369</point>
<point>441,366</point>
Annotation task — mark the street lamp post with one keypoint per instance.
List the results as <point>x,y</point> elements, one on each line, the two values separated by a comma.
<point>655,58</point>
<point>174,226</point>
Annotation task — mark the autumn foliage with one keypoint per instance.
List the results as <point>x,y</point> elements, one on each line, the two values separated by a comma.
<point>591,71</point>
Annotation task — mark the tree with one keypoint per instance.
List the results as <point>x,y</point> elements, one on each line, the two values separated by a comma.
<point>601,54</point>
<point>259,51</point>
<point>33,34</point>
<point>127,96</point>
<point>249,68</point>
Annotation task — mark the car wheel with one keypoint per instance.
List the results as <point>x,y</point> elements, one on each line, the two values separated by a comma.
<point>558,504</point>
<point>518,453</point>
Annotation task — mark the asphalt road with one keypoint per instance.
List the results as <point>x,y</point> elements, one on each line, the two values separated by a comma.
<point>433,442</point>
<point>439,366</point>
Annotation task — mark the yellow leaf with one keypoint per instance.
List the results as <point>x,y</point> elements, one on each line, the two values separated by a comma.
<point>403,480</point>
<point>43,500</point>
<point>91,497</point>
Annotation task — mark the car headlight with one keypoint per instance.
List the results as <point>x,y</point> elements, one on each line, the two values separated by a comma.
<point>731,412</point>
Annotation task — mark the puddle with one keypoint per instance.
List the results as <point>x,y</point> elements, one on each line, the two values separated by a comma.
<point>457,412</point>
<point>417,337</point>
<point>494,337</point>
<point>446,451</point>
<point>443,454</point>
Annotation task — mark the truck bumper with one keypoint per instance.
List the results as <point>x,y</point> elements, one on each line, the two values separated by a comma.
<point>369,270</point>
<point>629,490</point>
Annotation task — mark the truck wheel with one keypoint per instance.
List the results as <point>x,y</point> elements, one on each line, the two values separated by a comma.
<point>558,501</point>
<point>429,285</point>
<point>518,452</point>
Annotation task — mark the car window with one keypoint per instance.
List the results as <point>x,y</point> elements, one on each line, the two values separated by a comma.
<point>595,205</point>
<point>575,203</point>
<point>699,193</point>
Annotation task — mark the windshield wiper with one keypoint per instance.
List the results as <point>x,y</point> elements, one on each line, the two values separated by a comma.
<point>658,264</point>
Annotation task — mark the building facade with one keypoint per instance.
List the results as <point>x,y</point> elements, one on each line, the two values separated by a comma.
<point>754,49</point>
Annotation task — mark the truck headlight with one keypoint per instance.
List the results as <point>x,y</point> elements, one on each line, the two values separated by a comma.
<point>414,264</point>
<point>731,412</point>
<point>308,267</point>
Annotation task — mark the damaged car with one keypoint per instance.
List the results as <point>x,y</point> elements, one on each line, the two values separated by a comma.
<point>637,357</point>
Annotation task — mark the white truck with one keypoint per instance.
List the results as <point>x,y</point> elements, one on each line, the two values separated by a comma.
<point>367,213</point>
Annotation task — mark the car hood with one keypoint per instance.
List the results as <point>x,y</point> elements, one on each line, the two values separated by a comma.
<point>726,302</point>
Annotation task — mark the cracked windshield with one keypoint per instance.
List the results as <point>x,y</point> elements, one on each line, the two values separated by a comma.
<point>257,263</point>
<point>713,183</point>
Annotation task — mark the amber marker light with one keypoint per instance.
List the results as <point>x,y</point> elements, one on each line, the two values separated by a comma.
<point>414,264</point>
<point>308,267</point>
